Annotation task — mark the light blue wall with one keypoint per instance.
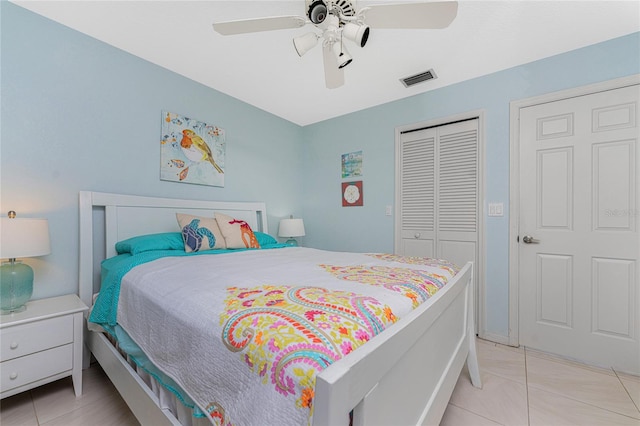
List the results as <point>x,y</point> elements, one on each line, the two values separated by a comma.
<point>78,114</point>
<point>367,228</point>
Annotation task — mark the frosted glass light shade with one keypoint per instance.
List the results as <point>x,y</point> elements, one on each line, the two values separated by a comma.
<point>20,238</point>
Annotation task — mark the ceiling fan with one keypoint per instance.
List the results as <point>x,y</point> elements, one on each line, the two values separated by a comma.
<point>338,20</point>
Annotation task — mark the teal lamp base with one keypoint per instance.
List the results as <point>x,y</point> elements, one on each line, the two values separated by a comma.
<point>16,286</point>
<point>291,242</point>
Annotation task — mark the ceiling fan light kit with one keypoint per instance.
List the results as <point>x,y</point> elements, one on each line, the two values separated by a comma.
<point>305,42</point>
<point>342,55</point>
<point>358,34</point>
<point>338,20</point>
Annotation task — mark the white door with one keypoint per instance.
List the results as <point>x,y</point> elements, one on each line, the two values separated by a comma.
<point>579,228</point>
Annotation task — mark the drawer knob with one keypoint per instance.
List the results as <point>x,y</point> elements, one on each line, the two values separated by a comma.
<point>13,345</point>
<point>13,376</point>
<point>417,235</point>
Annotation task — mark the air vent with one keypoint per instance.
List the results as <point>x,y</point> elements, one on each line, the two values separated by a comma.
<point>418,78</point>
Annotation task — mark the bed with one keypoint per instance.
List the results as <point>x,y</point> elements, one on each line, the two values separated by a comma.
<point>404,373</point>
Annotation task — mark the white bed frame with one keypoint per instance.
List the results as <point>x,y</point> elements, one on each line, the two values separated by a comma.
<point>403,376</point>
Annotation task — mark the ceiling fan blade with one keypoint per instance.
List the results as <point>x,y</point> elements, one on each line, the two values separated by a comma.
<point>333,76</point>
<point>427,15</point>
<point>244,26</point>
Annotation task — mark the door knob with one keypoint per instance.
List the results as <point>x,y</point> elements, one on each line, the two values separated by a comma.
<point>528,239</point>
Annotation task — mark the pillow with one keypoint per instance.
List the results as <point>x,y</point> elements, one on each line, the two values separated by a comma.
<point>237,233</point>
<point>200,233</point>
<point>264,239</point>
<point>142,243</point>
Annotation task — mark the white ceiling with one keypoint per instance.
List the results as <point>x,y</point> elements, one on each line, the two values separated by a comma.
<point>264,70</point>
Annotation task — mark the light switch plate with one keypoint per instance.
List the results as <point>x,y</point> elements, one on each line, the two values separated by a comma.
<point>496,209</point>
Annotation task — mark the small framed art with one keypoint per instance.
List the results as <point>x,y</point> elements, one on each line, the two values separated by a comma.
<point>191,151</point>
<point>352,194</point>
<point>351,165</point>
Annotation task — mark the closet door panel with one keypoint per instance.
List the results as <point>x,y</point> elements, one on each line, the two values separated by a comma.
<point>457,192</point>
<point>418,247</point>
<point>457,167</point>
<point>417,206</point>
<point>457,251</point>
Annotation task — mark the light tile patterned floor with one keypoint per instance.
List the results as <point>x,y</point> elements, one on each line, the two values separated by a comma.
<point>520,387</point>
<point>526,387</point>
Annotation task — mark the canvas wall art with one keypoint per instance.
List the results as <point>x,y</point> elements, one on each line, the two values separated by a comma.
<point>191,151</point>
<point>352,164</point>
<point>352,194</point>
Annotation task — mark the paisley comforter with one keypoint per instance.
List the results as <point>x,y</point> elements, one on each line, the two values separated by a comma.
<point>245,334</point>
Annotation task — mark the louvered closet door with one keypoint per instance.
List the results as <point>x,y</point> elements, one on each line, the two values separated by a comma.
<point>417,200</point>
<point>457,192</point>
<point>439,192</point>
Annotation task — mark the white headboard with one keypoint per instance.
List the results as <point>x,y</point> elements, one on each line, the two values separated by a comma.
<point>126,216</point>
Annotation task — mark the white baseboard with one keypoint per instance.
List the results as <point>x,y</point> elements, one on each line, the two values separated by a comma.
<point>496,338</point>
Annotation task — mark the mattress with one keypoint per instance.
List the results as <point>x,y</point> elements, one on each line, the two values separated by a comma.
<point>242,335</point>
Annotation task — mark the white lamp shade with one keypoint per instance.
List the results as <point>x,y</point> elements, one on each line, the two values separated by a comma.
<point>305,42</point>
<point>24,238</point>
<point>291,228</point>
<point>359,34</point>
<point>342,55</point>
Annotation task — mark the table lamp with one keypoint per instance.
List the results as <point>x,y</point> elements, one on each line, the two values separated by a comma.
<point>19,238</point>
<point>291,228</point>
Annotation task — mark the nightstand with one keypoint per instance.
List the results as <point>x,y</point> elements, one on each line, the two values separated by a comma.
<point>42,344</point>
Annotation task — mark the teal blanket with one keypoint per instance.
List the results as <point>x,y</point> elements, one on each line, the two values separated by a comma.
<point>105,309</point>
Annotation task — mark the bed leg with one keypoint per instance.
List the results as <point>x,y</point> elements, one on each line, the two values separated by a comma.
<point>472,356</point>
<point>86,357</point>
<point>472,363</point>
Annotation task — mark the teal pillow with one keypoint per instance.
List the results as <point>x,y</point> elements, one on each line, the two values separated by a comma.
<point>150,242</point>
<point>264,239</point>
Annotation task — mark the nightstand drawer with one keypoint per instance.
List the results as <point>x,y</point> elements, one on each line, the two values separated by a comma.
<point>29,338</point>
<point>22,371</point>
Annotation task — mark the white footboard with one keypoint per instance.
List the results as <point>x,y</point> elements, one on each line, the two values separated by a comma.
<point>406,377</point>
<point>401,378</point>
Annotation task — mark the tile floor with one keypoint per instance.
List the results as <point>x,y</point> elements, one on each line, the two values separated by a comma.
<point>520,387</point>
<point>526,387</point>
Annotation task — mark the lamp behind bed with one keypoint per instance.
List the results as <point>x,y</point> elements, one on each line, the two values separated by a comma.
<point>291,228</point>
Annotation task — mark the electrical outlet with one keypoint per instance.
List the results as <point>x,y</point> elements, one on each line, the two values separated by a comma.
<point>389,210</point>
